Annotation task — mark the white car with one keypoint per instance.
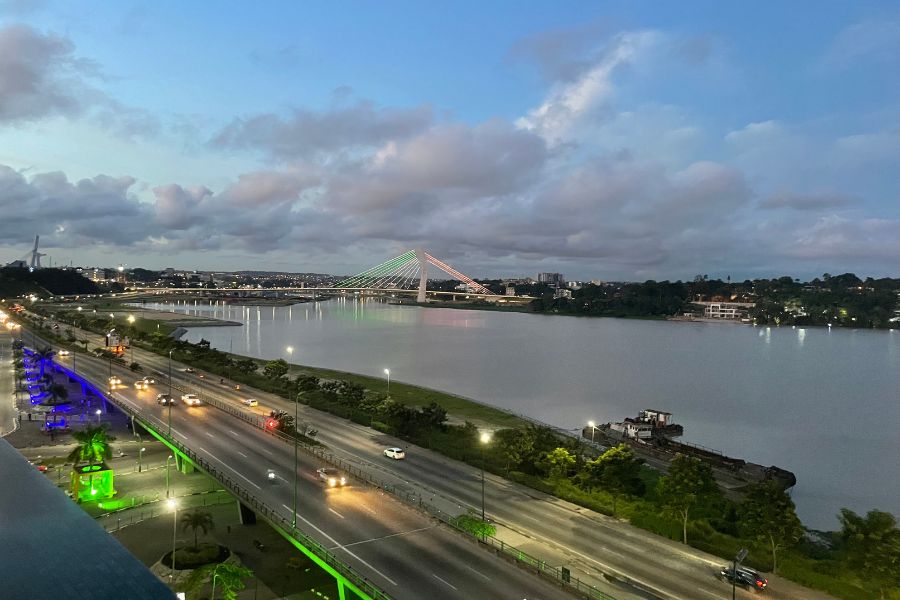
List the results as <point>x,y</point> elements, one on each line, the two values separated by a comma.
<point>149,381</point>
<point>191,399</point>
<point>395,453</point>
<point>140,384</point>
<point>114,381</point>
<point>63,353</point>
<point>250,402</point>
<point>332,477</point>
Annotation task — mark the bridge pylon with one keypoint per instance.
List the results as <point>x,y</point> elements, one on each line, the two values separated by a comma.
<point>421,256</point>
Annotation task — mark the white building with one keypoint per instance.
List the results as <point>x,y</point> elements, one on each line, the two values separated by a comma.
<point>725,310</point>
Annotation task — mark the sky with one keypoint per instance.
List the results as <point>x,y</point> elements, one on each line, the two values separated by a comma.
<point>617,140</point>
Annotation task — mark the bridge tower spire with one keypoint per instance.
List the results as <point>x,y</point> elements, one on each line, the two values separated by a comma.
<point>422,257</point>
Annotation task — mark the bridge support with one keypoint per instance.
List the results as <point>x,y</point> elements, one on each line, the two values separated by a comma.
<point>245,515</point>
<point>423,274</point>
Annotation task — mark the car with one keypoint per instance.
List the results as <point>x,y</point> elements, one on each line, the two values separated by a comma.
<point>395,453</point>
<point>747,578</point>
<point>149,381</point>
<point>250,402</point>
<point>188,370</point>
<point>191,399</point>
<point>140,384</point>
<point>332,477</point>
<point>114,382</point>
<point>165,400</point>
<point>63,353</point>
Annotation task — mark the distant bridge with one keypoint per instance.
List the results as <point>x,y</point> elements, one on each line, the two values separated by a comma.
<point>404,274</point>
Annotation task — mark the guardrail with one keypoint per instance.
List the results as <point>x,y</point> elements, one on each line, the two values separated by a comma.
<point>149,509</point>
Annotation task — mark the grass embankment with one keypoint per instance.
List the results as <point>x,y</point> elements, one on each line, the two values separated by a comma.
<point>522,452</point>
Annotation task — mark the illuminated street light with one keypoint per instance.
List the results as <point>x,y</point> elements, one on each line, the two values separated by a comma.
<point>485,439</point>
<point>388,373</point>
<point>593,427</point>
<point>98,413</point>
<point>141,459</point>
<point>174,506</point>
<point>168,458</point>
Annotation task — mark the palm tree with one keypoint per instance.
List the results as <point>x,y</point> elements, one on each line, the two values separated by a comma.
<point>43,356</point>
<point>59,394</point>
<point>198,519</point>
<point>93,445</point>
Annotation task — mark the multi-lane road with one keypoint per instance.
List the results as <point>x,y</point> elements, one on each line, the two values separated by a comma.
<point>400,550</point>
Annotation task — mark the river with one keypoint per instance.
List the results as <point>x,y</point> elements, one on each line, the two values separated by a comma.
<point>822,403</point>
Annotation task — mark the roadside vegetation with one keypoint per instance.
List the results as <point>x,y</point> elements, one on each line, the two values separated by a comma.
<point>859,562</point>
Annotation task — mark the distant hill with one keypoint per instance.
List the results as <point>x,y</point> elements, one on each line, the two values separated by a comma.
<point>20,282</point>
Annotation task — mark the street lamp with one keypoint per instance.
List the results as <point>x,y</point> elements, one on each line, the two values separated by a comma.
<point>290,351</point>
<point>388,373</point>
<point>98,415</point>
<point>168,458</point>
<point>170,392</point>
<point>485,440</point>
<point>131,341</point>
<point>174,506</point>
<point>593,427</point>
<point>141,459</point>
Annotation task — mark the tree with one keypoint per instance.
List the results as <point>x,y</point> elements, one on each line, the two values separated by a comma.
<point>247,365</point>
<point>276,369</point>
<point>768,514</point>
<point>58,394</point>
<point>689,483</point>
<point>197,520</point>
<point>433,415</point>
<point>558,462</point>
<point>225,576</point>
<point>93,445</point>
<point>307,383</point>
<point>873,546</point>
<point>43,356</point>
<point>513,446</point>
<point>618,472</point>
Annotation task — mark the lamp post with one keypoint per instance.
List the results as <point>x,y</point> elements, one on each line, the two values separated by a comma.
<point>141,459</point>
<point>98,415</point>
<point>388,373</point>
<point>174,506</point>
<point>485,440</point>
<point>168,458</point>
<point>170,392</point>
<point>290,351</point>
<point>738,559</point>
<point>593,427</point>
<point>131,339</point>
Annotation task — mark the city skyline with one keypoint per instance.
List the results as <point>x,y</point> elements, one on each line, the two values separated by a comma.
<point>621,142</point>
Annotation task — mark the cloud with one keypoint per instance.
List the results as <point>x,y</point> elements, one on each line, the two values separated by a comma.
<point>806,201</point>
<point>305,133</point>
<point>39,75</point>
<point>869,40</point>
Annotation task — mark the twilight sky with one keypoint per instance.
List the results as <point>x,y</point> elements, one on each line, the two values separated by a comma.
<point>614,140</point>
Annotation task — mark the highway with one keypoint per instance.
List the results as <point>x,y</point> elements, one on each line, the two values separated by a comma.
<point>561,533</point>
<point>400,550</point>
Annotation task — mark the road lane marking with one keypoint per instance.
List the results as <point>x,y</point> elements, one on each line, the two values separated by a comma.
<point>384,537</point>
<point>233,433</point>
<point>338,545</point>
<point>478,572</point>
<point>445,582</point>
<point>209,434</point>
<point>266,450</point>
<point>230,467</point>
<point>336,512</point>
<point>242,454</point>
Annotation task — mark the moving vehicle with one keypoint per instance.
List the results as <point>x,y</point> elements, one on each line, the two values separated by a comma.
<point>332,477</point>
<point>114,382</point>
<point>165,400</point>
<point>270,474</point>
<point>63,353</point>
<point>188,370</point>
<point>746,578</point>
<point>140,384</point>
<point>395,453</point>
<point>250,402</point>
<point>149,381</point>
<point>191,399</point>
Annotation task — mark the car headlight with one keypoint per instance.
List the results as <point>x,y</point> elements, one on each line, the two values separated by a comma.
<point>343,480</point>
<point>331,482</point>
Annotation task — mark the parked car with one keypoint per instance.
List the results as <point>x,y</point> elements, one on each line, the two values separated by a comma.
<point>191,399</point>
<point>395,453</point>
<point>165,400</point>
<point>250,402</point>
<point>746,578</point>
<point>332,477</point>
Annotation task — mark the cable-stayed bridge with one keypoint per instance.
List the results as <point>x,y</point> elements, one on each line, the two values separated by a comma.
<point>407,273</point>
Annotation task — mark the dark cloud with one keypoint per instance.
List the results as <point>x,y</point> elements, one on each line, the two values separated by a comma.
<point>806,201</point>
<point>307,133</point>
<point>39,75</point>
<point>562,54</point>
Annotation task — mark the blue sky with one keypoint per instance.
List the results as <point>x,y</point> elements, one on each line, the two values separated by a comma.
<point>614,140</point>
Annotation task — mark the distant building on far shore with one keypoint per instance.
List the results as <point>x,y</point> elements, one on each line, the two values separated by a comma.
<point>551,278</point>
<point>725,310</point>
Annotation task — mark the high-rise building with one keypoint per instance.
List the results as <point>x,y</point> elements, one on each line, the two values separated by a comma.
<point>551,278</point>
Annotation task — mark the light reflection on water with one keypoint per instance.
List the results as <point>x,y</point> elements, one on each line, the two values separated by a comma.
<point>822,403</point>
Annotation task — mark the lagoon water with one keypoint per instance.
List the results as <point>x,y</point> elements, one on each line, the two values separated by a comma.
<point>822,403</point>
